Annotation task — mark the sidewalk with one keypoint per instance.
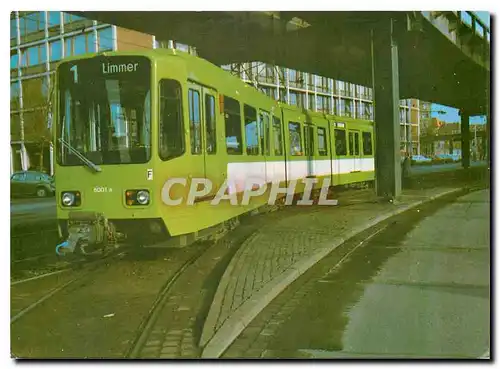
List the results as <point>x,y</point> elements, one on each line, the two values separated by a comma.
<point>420,288</point>
<point>280,252</point>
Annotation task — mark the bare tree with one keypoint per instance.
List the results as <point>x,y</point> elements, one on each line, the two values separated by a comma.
<point>37,108</point>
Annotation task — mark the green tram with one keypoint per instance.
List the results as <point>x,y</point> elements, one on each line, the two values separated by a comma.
<point>127,122</point>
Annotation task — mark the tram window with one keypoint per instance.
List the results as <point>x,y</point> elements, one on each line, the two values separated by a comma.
<point>322,146</point>
<point>210,124</point>
<point>295,139</point>
<point>367,143</point>
<point>309,140</point>
<point>340,142</point>
<point>171,127</point>
<point>251,130</point>
<point>264,132</point>
<point>194,121</point>
<point>232,118</point>
<point>278,138</point>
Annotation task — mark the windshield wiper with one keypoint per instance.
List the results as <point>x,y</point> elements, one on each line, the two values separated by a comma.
<point>79,155</point>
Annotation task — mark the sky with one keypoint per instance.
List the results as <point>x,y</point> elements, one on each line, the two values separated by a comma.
<point>451,114</point>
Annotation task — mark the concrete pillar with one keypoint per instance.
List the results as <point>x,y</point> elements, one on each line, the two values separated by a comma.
<point>465,137</point>
<point>386,103</point>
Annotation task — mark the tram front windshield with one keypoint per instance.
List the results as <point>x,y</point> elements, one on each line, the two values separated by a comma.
<point>104,111</point>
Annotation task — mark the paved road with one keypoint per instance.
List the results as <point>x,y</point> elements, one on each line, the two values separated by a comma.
<point>424,169</point>
<point>32,210</point>
<point>418,290</point>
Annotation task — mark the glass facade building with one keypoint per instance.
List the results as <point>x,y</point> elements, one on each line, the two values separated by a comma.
<point>322,94</point>
<point>37,41</point>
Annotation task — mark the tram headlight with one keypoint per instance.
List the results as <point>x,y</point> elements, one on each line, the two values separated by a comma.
<point>70,198</point>
<point>142,197</point>
<point>137,197</point>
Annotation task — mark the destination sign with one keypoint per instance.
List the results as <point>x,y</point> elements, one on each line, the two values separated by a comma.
<point>119,68</point>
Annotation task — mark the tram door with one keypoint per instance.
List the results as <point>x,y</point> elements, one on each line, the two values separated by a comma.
<point>354,150</point>
<point>309,148</point>
<point>264,127</point>
<point>204,136</point>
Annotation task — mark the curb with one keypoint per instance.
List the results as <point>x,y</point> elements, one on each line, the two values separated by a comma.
<point>241,318</point>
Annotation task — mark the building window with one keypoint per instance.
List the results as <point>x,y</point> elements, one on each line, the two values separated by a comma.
<point>105,37</point>
<point>90,41</point>
<point>319,103</point>
<point>402,115</point>
<point>340,142</point>
<point>293,98</point>
<point>278,137</point>
<point>68,18</point>
<point>269,73</point>
<point>15,127</point>
<point>312,105</point>
<point>295,139</point>
<point>326,104</point>
<point>31,22</point>
<point>22,26</point>
<point>33,57</point>
<point>54,19</point>
<point>45,87</point>
<point>80,45</point>
<point>171,127</point>
<point>342,107</point>
<point>341,88</point>
<point>251,131</point>
<point>14,59</point>
<point>367,143</point>
<point>194,121</point>
<point>24,58</point>
<point>348,108</point>
<point>359,112</point>
<point>13,28</point>
<point>322,145</point>
<point>14,92</point>
<point>55,50</point>
<point>43,53</point>
<point>68,47</point>
<point>232,117</point>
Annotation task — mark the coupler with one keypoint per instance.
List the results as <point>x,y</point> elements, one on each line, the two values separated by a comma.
<point>89,233</point>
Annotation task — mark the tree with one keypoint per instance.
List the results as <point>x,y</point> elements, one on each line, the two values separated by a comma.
<point>36,111</point>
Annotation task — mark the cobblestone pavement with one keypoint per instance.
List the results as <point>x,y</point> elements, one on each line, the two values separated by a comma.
<point>177,330</point>
<point>281,251</point>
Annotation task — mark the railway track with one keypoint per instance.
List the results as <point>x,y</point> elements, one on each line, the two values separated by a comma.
<point>81,272</point>
<point>146,325</point>
<point>140,322</point>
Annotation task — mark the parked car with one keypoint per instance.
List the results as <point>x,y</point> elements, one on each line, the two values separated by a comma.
<point>447,158</point>
<point>30,183</point>
<point>420,159</point>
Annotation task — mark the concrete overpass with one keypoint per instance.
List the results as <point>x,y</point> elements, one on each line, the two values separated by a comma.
<point>432,56</point>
